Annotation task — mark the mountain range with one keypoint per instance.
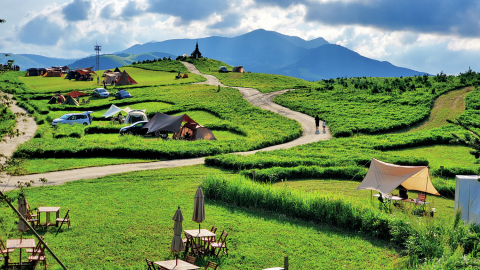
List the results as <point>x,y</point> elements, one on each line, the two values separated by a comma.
<point>257,51</point>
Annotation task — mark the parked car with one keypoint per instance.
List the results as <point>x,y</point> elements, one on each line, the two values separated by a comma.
<point>120,94</point>
<point>84,118</point>
<point>223,69</point>
<point>134,129</point>
<point>100,92</point>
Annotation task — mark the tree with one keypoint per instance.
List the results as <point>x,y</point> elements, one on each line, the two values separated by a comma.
<point>471,140</point>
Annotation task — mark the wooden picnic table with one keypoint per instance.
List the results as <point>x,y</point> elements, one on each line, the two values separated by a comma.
<point>48,210</point>
<point>17,244</point>
<point>198,235</point>
<point>180,265</point>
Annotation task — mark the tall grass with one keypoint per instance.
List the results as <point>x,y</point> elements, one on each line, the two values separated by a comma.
<point>422,239</point>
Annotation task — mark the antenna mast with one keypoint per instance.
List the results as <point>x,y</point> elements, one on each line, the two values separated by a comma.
<point>98,48</point>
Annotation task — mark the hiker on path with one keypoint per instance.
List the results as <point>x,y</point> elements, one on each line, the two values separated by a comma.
<point>317,121</point>
<point>324,126</point>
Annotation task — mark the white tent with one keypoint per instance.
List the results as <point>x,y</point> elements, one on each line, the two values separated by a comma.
<point>115,110</point>
<point>467,197</point>
<point>385,177</point>
<point>135,116</point>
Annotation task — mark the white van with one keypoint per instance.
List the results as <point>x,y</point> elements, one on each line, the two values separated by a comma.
<point>80,118</point>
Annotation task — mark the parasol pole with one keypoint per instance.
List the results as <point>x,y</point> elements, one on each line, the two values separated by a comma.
<point>2,196</point>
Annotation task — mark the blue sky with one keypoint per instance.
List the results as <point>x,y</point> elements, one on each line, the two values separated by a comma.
<point>426,35</point>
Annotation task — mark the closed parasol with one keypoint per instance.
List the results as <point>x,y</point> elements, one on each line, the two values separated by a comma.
<point>177,243</point>
<point>199,208</point>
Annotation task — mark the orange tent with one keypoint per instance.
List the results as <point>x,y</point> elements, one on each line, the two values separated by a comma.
<point>76,93</point>
<point>185,75</point>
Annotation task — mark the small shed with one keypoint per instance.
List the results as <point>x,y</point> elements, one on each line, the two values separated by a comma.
<point>467,197</point>
<point>238,69</point>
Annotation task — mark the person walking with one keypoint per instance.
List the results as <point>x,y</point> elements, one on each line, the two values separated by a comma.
<point>317,121</point>
<point>324,126</point>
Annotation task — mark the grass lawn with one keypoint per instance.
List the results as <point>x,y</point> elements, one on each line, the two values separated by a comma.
<point>441,155</point>
<point>119,220</point>
<point>346,189</point>
<point>39,84</point>
<point>42,165</point>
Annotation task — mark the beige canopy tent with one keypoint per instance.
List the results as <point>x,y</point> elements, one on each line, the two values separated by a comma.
<point>385,177</point>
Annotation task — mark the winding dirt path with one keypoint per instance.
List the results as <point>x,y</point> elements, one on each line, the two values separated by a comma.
<point>25,125</point>
<point>255,97</point>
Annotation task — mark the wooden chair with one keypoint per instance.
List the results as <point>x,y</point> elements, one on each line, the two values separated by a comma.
<point>150,264</point>
<point>210,239</point>
<point>4,251</point>
<point>211,265</point>
<point>35,215</point>
<point>188,241</point>
<point>38,255</point>
<point>221,244</point>
<point>36,249</point>
<point>33,220</point>
<point>66,219</point>
<point>190,259</point>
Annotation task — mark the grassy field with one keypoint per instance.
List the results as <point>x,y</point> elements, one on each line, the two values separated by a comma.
<point>125,218</point>
<point>107,209</point>
<point>143,77</point>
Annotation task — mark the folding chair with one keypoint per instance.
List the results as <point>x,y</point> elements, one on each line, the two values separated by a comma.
<point>38,255</point>
<point>208,240</point>
<point>211,265</point>
<point>32,219</point>
<point>384,203</point>
<point>190,259</point>
<point>188,241</point>
<point>36,249</point>
<point>221,244</point>
<point>66,219</point>
<point>150,264</point>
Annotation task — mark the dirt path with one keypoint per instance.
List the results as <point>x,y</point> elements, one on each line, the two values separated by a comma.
<point>255,97</point>
<point>448,106</point>
<point>26,126</point>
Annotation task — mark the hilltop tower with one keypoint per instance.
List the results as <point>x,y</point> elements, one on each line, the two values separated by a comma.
<point>196,54</point>
<point>98,48</point>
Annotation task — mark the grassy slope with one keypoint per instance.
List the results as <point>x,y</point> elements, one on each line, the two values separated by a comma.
<point>143,77</point>
<point>125,218</point>
<point>265,83</point>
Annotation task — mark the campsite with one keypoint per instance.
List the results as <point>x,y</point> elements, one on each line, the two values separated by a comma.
<point>268,201</point>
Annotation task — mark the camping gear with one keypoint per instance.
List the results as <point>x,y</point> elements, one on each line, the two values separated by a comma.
<point>385,177</point>
<point>106,72</point>
<point>185,75</point>
<point>166,123</point>
<point>199,208</point>
<point>125,79</point>
<point>76,94</point>
<point>87,68</point>
<point>53,73</point>
<point>69,100</point>
<point>193,132</point>
<point>177,243</point>
<point>53,100</point>
<point>117,70</point>
<point>111,77</point>
<point>467,197</point>
<point>134,116</point>
<point>113,110</point>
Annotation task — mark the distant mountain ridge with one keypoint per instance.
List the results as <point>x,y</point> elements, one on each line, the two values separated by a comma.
<point>271,52</point>
<point>257,51</point>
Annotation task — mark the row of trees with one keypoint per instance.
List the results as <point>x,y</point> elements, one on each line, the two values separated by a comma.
<point>152,61</point>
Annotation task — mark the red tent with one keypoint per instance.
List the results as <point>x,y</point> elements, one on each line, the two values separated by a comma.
<point>76,93</point>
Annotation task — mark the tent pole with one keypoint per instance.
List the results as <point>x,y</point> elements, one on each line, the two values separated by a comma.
<point>2,196</point>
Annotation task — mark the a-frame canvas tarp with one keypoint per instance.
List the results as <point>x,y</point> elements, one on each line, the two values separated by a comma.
<point>385,177</point>
<point>113,110</point>
<point>164,122</point>
<point>467,197</point>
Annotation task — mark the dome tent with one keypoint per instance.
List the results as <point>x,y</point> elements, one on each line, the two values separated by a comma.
<point>135,116</point>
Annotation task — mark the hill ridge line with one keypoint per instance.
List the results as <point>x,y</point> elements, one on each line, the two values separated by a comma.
<point>253,96</point>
